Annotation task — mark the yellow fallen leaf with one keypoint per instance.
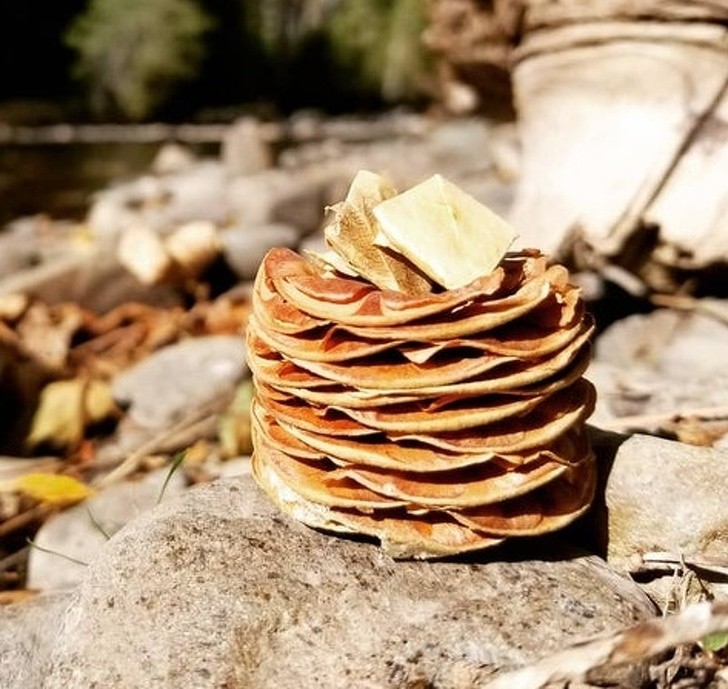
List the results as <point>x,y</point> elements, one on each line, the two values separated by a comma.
<point>66,408</point>
<point>53,489</point>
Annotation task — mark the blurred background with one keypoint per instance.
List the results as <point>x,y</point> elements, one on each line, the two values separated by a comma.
<point>182,61</point>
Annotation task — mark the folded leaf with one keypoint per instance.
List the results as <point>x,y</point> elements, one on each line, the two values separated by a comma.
<point>352,233</point>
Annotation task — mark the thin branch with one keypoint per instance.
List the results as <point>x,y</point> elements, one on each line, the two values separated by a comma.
<point>636,644</point>
<point>651,421</point>
<point>24,518</point>
<point>133,460</point>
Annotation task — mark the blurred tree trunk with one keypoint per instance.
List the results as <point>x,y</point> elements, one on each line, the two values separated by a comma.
<point>623,113</point>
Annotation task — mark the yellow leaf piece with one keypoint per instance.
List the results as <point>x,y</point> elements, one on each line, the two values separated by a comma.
<point>351,235</point>
<point>52,489</point>
<point>450,236</point>
<point>66,408</point>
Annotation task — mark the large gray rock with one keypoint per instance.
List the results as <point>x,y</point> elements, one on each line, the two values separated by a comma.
<point>176,380</point>
<point>666,496</point>
<point>296,198</point>
<point>216,589</point>
<point>27,634</point>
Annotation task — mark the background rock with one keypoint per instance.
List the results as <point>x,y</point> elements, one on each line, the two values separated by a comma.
<point>215,589</point>
<point>667,361</point>
<point>244,247</point>
<point>244,151</point>
<point>180,378</point>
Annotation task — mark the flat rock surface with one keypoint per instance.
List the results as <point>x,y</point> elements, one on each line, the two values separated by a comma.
<point>216,589</point>
<point>665,361</point>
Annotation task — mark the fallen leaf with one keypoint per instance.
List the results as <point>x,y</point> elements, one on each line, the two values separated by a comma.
<point>351,235</point>
<point>66,408</point>
<point>52,489</point>
<point>143,254</point>
<point>46,332</point>
<point>193,246</point>
<point>16,596</point>
<point>715,643</point>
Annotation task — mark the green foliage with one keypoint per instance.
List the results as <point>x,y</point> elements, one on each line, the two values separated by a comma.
<point>132,52</point>
<point>716,642</point>
<point>380,41</point>
<point>361,47</point>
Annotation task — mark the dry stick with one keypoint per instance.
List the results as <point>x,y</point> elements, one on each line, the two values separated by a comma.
<point>24,518</point>
<point>636,644</point>
<point>131,463</point>
<point>14,559</point>
<point>625,423</point>
<point>682,302</point>
<point>656,560</point>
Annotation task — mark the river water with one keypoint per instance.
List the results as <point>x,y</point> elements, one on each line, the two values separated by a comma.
<point>58,179</point>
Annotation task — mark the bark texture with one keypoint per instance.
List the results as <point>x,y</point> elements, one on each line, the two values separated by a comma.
<point>623,114</point>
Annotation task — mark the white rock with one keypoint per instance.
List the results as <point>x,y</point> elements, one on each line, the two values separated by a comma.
<point>666,496</point>
<point>173,157</point>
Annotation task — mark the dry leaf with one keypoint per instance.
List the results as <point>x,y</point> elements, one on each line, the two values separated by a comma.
<point>352,233</point>
<point>52,489</point>
<point>16,596</point>
<point>46,332</point>
<point>450,236</point>
<point>66,408</point>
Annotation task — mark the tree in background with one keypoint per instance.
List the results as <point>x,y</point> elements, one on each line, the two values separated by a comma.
<point>355,47</point>
<point>131,53</point>
<point>380,42</point>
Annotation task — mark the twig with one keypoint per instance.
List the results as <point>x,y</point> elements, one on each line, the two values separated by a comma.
<point>13,559</point>
<point>636,644</point>
<point>131,463</point>
<point>657,560</point>
<point>24,518</point>
<point>651,421</point>
<point>682,302</point>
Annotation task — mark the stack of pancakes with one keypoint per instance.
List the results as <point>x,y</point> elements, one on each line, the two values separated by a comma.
<point>440,422</point>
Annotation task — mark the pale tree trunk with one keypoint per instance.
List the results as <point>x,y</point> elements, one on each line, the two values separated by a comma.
<point>623,113</point>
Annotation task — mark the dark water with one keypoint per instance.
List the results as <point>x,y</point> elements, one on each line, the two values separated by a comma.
<point>58,179</point>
